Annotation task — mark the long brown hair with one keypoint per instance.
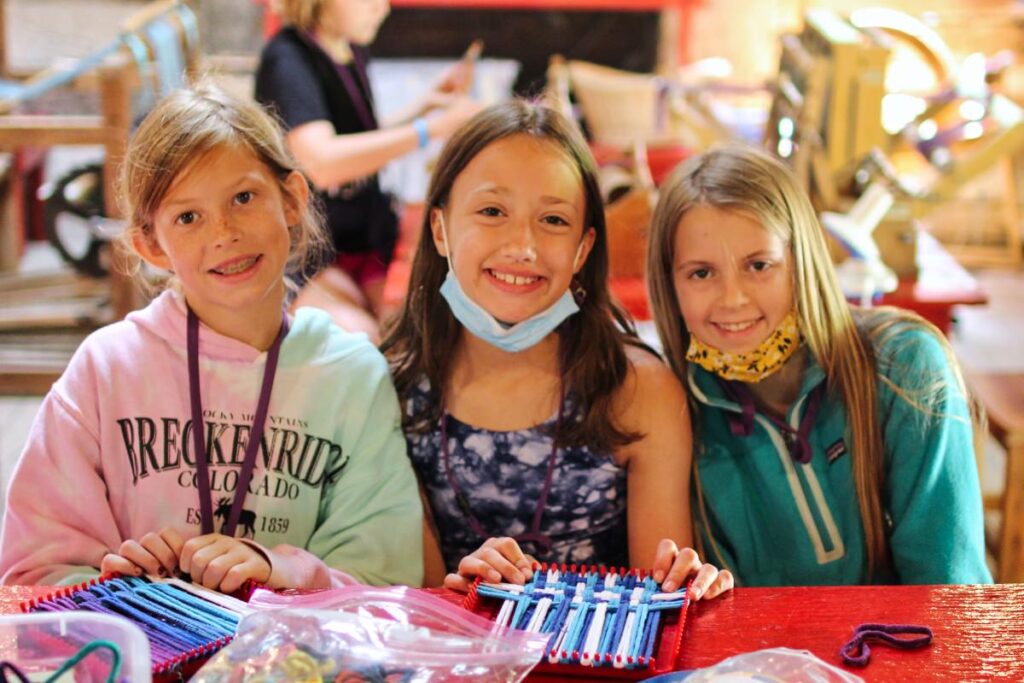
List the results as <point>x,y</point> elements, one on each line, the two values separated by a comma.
<point>749,180</point>
<point>592,355</point>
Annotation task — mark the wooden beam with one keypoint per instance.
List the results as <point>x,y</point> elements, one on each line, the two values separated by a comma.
<point>47,131</point>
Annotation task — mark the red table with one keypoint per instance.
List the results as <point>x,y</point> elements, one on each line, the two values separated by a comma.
<point>979,630</point>
<point>941,284</point>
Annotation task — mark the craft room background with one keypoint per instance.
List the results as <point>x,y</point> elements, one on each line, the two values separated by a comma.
<point>846,94</point>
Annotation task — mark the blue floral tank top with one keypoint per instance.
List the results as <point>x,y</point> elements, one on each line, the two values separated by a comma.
<point>502,474</point>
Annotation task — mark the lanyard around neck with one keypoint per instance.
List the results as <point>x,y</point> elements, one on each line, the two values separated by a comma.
<point>199,428</point>
<point>534,535</point>
<point>798,441</point>
<point>362,100</point>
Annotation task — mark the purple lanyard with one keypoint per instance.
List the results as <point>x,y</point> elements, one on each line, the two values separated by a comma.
<point>362,100</point>
<point>798,441</point>
<point>541,540</point>
<point>199,427</point>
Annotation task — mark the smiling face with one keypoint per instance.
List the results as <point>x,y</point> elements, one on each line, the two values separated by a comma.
<point>515,227</point>
<point>223,230</point>
<point>733,278</point>
<point>356,21</point>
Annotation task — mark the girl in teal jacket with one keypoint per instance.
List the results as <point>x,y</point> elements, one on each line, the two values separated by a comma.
<point>834,445</point>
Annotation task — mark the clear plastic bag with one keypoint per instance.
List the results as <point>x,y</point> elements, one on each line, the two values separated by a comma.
<point>361,633</point>
<point>766,666</point>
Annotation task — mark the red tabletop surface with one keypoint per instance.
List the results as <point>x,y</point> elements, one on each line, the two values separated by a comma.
<point>979,630</point>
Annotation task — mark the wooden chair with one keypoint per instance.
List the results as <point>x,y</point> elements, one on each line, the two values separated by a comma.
<point>1002,395</point>
<point>630,117</point>
<point>621,108</point>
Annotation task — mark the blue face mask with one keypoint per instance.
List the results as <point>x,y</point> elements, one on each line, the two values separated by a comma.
<point>480,323</point>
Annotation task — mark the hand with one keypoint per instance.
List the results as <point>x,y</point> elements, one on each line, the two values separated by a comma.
<point>223,563</point>
<point>154,553</point>
<point>459,76</point>
<point>451,117</point>
<point>498,559</point>
<point>673,566</point>
<point>456,79</point>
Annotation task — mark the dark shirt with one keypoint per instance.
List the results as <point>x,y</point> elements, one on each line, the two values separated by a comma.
<point>501,474</point>
<point>300,83</point>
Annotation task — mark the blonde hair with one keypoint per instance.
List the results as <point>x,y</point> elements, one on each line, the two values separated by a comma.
<point>749,180</point>
<point>180,130</point>
<point>302,14</point>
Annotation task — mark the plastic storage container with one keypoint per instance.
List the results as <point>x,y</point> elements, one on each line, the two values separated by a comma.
<point>39,643</point>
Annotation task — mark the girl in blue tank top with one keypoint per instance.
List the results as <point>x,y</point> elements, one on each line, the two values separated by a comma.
<point>540,427</point>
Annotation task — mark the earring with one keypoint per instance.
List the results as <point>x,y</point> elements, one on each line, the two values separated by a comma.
<point>578,291</point>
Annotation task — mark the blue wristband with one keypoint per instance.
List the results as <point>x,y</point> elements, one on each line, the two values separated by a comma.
<point>422,134</point>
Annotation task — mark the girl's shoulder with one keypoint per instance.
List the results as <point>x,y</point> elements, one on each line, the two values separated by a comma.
<point>650,389</point>
<point>314,339</point>
<point>647,371</point>
<point>903,344</point>
<point>286,44</point>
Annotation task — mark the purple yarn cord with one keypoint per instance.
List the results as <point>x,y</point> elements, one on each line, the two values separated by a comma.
<point>856,652</point>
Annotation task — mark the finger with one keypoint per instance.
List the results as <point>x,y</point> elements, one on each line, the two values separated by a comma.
<point>471,567</point>
<point>113,562</point>
<point>508,570</point>
<point>440,100</point>
<point>706,575</point>
<point>723,583</point>
<point>133,551</point>
<point>174,540</point>
<point>204,553</point>
<point>490,566</point>
<point>530,562</point>
<point>664,556</point>
<point>155,545</point>
<point>457,582</point>
<point>513,553</point>
<point>191,547</point>
<point>254,568</point>
<point>215,569</point>
<point>686,563</point>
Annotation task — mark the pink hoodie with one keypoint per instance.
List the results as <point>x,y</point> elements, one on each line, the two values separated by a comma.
<point>110,456</point>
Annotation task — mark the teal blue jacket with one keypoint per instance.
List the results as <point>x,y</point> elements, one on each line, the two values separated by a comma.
<point>775,522</point>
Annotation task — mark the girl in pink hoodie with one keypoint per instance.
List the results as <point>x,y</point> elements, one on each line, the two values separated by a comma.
<point>304,479</point>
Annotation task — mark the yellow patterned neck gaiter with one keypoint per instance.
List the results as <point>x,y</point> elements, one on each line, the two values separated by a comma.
<point>752,366</point>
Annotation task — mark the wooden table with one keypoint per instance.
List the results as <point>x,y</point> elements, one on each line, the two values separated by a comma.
<point>979,630</point>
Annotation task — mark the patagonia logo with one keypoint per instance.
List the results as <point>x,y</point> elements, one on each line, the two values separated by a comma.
<point>835,451</point>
